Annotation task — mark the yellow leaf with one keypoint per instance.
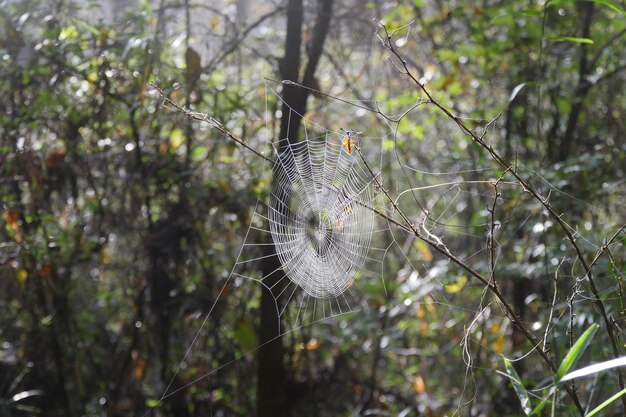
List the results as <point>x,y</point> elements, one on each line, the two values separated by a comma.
<point>423,250</point>
<point>312,344</point>
<point>429,304</point>
<point>495,328</point>
<point>104,37</point>
<point>457,285</point>
<point>499,344</point>
<point>177,137</point>
<point>139,369</point>
<point>68,32</point>
<point>106,258</point>
<point>214,22</point>
<point>418,384</point>
<point>21,277</point>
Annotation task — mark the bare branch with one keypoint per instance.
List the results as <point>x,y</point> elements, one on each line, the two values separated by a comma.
<point>205,117</point>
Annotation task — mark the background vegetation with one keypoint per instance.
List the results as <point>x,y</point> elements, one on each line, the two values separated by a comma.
<point>121,219</point>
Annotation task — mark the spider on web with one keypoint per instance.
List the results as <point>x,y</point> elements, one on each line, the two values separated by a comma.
<point>349,139</point>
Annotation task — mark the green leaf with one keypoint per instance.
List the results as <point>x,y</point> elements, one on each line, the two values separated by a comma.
<point>388,144</point>
<point>153,402</point>
<point>245,335</point>
<point>177,138</point>
<point>576,352</point>
<point>520,390</point>
<point>607,402</point>
<point>418,131</point>
<point>68,32</point>
<point>198,153</point>
<point>570,39</point>
<point>543,402</point>
<point>30,409</point>
<point>532,12</point>
<point>610,5</point>
<point>456,285</point>
<point>595,368</point>
<point>94,31</point>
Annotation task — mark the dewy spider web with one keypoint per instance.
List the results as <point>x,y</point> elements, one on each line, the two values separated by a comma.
<point>319,217</point>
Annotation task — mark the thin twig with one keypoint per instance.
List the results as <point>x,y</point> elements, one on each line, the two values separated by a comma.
<point>492,229</point>
<point>552,305</point>
<point>205,117</point>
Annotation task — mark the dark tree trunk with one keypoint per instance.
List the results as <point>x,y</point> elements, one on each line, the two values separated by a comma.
<point>581,90</point>
<point>271,383</point>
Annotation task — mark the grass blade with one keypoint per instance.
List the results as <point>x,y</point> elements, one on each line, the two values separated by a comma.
<point>575,352</point>
<point>610,5</point>
<point>604,404</point>
<point>570,39</point>
<point>537,410</point>
<point>520,390</point>
<point>595,368</point>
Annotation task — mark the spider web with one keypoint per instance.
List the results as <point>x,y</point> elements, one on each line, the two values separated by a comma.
<point>318,218</point>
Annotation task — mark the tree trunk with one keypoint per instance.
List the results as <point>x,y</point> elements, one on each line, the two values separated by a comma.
<point>271,383</point>
<point>581,90</point>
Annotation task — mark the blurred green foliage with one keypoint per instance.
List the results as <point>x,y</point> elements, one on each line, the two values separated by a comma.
<point>121,218</point>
